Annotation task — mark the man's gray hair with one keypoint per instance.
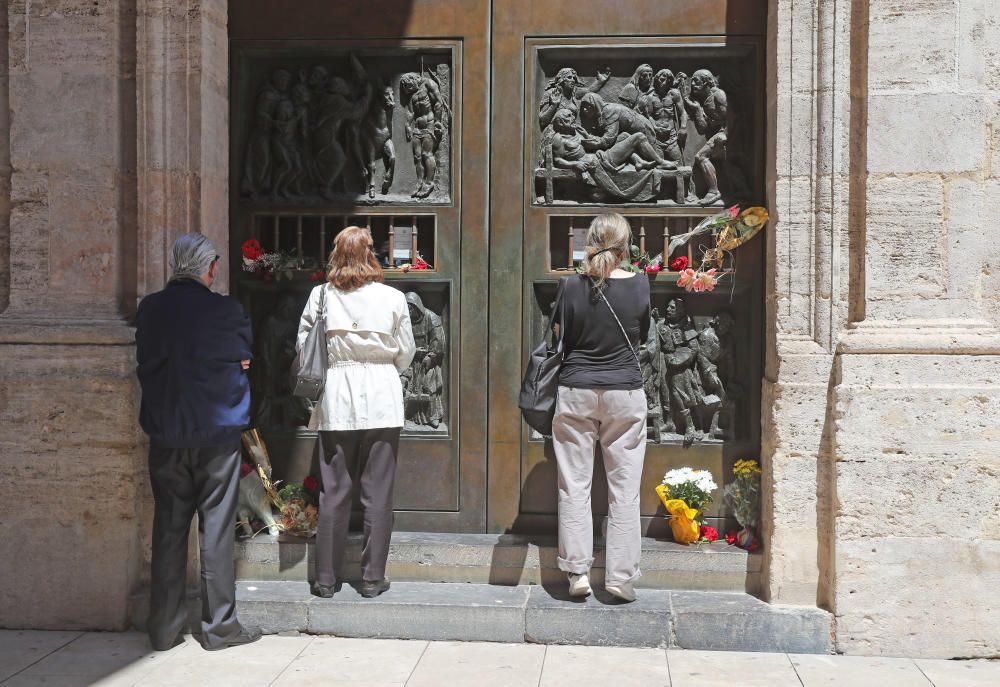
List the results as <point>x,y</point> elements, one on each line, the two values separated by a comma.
<point>191,256</point>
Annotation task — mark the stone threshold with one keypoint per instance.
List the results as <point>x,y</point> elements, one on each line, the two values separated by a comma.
<point>721,621</point>
<point>501,560</point>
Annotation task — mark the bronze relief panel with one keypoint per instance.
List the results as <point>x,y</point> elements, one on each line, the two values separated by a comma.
<point>335,124</point>
<point>660,125</point>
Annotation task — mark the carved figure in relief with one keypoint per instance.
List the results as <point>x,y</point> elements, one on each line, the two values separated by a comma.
<point>651,362</point>
<point>716,365</point>
<point>602,169</point>
<point>277,406</point>
<point>679,341</point>
<point>707,105</point>
<point>257,167</point>
<point>425,127</point>
<point>375,142</point>
<point>609,123</point>
<point>640,84</point>
<point>423,381</point>
<point>288,143</point>
<point>338,109</point>
<point>562,93</point>
<point>664,107</point>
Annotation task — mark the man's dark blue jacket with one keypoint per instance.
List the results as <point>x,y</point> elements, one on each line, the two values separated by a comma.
<point>189,344</point>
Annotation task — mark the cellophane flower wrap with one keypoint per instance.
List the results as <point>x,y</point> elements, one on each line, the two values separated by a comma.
<point>685,493</point>
<point>742,495</point>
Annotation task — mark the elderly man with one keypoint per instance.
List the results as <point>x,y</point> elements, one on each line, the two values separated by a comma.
<point>193,350</point>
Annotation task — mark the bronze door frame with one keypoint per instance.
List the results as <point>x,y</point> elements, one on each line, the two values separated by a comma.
<point>517,30</point>
<point>465,26</point>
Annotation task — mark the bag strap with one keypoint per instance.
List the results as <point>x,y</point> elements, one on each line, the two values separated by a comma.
<point>628,342</point>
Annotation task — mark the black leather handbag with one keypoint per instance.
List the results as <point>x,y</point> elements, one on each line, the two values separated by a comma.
<point>309,370</point>
<point>540,385</point>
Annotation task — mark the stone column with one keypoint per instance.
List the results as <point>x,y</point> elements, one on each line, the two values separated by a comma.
<point>68,435</point>
<point>916,547</point>
<point>118,143</point>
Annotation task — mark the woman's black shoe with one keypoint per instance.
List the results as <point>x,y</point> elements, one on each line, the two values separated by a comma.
<point>322,591</point>
<point>370,589</point>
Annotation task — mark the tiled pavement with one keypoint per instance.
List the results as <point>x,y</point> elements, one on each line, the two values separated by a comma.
<point>69,659</point>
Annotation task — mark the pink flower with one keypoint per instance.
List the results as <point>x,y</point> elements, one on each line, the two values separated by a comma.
<point>652,269</point>
<point>705,281</point>
<point>734,212</point>
<point>245,469</point>
<point>685,279</point>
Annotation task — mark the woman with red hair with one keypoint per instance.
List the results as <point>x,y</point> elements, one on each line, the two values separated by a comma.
<point>360,413</point>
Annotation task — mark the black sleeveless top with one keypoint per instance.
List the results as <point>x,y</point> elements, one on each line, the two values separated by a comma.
<point>596,355</point>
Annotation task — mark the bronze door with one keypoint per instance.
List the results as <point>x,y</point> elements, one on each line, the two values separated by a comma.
<point>565,71</point>
<point>371,114</point>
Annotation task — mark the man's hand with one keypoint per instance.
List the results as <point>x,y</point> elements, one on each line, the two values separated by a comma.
<point>245,364</point>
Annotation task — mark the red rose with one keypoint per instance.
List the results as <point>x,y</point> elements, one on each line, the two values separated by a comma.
<point>709,533</point>
<point>731,537</point>
<point>310,484</point>
<point>652,269</point>
<point>679,264</point>
<point>734,212</point>
<point>420,264</point>
<point>245,469</point>
<point>317,275</point>
<point>252,249</point>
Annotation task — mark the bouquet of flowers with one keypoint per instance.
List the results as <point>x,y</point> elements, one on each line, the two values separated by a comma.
<point>743,496</point>
<point>731,228</point>
<point>298,514</point>
<point>685,493</point>
<point>278,265</point>
<point>743,493</point>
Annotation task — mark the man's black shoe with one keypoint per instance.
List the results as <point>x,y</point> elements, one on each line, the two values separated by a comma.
<point>323,591</point>
<point>370,589</point>
<point>246,636</point>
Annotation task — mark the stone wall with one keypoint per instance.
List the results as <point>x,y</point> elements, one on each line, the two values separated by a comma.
<point>881,400</point>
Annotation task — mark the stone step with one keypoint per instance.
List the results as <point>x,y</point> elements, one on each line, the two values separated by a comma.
<point>501,560</point>
<point>724,621</point>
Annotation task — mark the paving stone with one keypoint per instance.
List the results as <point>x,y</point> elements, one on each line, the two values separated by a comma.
<point>100,657</point>
<point>415,610</point>
<point>858,671</point>
<point>740,622</point>
<point>573,666</point>
<point>335,661</point>
<point>470,664</point>
<point>254,664</point>
<point>961,673</point>
<point>729,669</point>
<point>553,617</point>
<point>21,648</point>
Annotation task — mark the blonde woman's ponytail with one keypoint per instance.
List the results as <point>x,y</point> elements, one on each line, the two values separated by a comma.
<point>609,240</point>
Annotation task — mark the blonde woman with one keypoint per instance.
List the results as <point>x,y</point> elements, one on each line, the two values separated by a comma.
<point>601,401</point>
<point>360,413</point>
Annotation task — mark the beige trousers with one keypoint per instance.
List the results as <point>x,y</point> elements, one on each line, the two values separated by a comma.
<point>617,421</point>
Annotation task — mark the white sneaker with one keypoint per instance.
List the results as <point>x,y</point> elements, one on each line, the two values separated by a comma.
<point>579,585</point>
<point>623,591</point>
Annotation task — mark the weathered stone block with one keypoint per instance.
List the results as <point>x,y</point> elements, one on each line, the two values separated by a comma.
<point>552,617</point>
<point>905,132</point>
<point>905,213</point>
<point>912,609</point>
<point>905,52</point>
<point>414,610</point>
<point>738,622</point>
